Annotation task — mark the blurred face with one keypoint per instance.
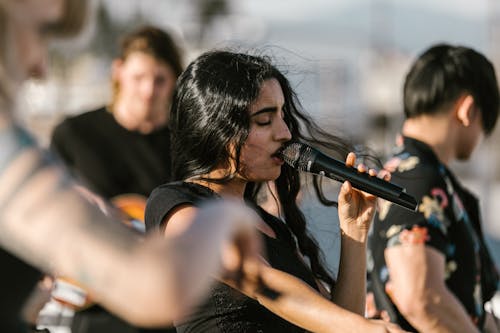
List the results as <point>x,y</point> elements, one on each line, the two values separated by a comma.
<point>145,86</point>
<point>471,136</point>
<point>268,132</point>
<point>27,23</point>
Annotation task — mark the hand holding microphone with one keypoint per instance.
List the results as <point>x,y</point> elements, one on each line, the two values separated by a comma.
<point>305,158</point>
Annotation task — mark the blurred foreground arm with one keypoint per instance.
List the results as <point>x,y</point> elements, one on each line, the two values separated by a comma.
<point>46,222</point>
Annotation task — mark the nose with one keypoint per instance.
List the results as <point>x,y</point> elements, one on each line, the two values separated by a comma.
<point>282,132</point>
<point>33,56</point>
<point>38,69</point>
<point>148,88</point>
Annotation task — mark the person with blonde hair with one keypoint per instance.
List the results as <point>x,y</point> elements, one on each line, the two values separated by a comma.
<point>122,151</point>
<point>124,147</point>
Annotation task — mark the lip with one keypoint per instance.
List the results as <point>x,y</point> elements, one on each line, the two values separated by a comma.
<point>278,152</point>
<point>276,156</point>
<point>278,160</point>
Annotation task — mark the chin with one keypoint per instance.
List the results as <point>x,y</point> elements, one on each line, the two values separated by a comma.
<point>464,157</point>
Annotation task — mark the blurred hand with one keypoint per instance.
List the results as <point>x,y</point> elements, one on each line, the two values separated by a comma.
<point>222,242</point>
<point>242,252</point>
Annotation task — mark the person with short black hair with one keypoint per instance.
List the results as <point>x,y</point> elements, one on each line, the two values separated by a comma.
<point>432,269</point>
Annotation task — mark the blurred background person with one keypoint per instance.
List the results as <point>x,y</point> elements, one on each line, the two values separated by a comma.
<point>46,224</point>
<point>432,269</point>
<point>122,151</point>
<point>124,147</point>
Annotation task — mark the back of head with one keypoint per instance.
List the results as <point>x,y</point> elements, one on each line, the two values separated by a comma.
<point>154,42</point>
<point>209,114</point>
<point>442,74</point>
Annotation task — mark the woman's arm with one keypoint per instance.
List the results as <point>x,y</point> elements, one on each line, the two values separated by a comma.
<point>356,211</point>
<point>285,295</point>
<point>304,307</point>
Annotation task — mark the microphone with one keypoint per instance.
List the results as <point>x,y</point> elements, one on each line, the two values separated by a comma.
<point>305,158</point>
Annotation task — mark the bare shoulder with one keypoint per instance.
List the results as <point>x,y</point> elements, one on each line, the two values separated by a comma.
<point>179,219</point>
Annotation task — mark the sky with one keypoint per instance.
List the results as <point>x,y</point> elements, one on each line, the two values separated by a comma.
<point>300,8</point>
<point>320,27</point>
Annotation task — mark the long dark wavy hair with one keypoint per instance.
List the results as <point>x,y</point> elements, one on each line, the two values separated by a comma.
<point>210,113</point>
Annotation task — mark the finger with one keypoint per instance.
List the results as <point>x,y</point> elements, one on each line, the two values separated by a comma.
<point>350,159</point>
<point>384,315</point>
<point>384,174</point>
<point>362,168</point>
<point>372,172</point>
<point>345,194</point>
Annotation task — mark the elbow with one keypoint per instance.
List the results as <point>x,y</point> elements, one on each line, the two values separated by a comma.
<point>413,308</point>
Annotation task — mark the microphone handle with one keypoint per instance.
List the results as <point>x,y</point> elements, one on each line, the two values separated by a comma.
<point>323,165</point>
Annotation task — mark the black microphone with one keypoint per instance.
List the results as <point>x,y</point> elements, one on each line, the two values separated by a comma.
<point>305,158</point>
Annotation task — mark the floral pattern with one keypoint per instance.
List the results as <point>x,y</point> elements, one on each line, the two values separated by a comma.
<point>443,221</point>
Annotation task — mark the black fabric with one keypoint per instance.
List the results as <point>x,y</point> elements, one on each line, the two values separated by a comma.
<point>110,159</point>
<point>226,309</point>
<point>448,220</point>
<point>98,320</point>
<point>16,283</point>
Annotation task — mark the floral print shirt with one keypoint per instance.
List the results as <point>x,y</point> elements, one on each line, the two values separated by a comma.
<point>447,220</point>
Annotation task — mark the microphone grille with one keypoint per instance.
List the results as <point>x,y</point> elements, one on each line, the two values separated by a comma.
<point>297,155</point>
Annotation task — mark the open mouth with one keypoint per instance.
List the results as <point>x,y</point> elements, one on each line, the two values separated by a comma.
<point>278,153</point>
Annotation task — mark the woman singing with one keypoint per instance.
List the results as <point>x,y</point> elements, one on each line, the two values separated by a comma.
<point>231,116</point>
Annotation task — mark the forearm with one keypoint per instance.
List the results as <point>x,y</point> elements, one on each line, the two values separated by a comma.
<point>46,223</point>
<point>349,291</point>
<point>303,306</point>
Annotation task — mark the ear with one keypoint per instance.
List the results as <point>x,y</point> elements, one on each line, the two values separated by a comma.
<point>116,69</point>
<point>465,109</point>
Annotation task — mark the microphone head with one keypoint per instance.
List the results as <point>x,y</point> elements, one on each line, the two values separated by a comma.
<point>297,155</point>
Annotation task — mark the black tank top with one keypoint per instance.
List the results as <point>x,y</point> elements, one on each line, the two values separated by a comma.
<point>226,309</point>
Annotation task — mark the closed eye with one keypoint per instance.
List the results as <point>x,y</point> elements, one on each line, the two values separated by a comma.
<point>264,117</point>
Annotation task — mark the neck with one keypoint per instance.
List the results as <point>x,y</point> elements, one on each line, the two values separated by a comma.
<point>234,189</point>
<point>436,131</point>
<point>129,121</point>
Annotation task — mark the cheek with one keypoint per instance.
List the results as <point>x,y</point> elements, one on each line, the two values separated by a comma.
<point>166,91</point>
<point>249,158</point>
<point>129,86</point>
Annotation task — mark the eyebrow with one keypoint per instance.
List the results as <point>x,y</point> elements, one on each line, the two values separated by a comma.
<point>265,110</point>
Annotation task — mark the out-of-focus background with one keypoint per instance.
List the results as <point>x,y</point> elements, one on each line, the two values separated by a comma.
<point>346,58</point>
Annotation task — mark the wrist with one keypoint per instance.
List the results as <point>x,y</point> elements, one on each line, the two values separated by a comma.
<point>354,234</point>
